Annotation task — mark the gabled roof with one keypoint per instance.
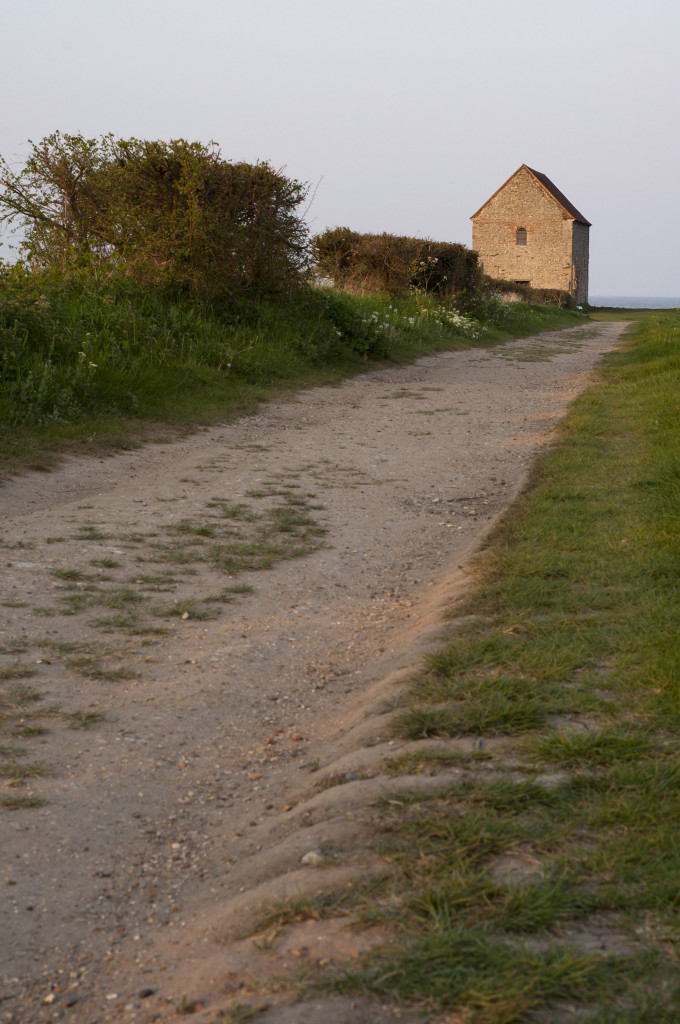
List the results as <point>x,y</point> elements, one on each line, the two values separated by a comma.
<point>546,184</point>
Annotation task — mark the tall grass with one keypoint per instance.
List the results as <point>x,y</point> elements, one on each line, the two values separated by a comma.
<point>549,878</point>
<point>83,358</point>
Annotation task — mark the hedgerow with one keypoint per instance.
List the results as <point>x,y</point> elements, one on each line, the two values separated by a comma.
<point>158,213</point>
<point>395,264</point>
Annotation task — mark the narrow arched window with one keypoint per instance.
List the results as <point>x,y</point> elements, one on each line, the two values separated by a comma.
<point>521,236</point>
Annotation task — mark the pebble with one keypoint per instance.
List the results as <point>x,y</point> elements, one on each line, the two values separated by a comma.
<point>339,642</point>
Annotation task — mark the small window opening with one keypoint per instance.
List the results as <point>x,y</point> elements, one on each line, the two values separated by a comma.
<point>521,236</point>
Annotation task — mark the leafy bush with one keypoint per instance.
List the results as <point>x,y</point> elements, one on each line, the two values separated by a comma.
<point>158,213</point>
<point>71,346</point>
<point>76,348</point>
<point>395,264</point>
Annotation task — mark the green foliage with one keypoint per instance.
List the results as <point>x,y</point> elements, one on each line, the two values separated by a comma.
<point>496,982</point>
<point>158,213</point>
<point>395,264</point>
<point>549,872</point>
<point>83,356</point>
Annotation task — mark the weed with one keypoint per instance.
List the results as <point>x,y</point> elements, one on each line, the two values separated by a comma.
<point>175,348</point>
<point>127,621</point>
<point>17,773</point>
<point>497,707</point>
<point>23,715</point>
<point>84,719</point>
<point>91,532</point>
<point>231,511</point>
<point>341,778</point>
<point>75,603</point>
<point>596,748</point>
<point>241,1013</point>
<point>92,667</point>
<point>432,761</point>
<point>239,588</point>
<point>20,802</point>
<point>320,905</point>
<point>122,599</point>
<point>509,885</point>
<point>186,608</point>
<point>13,647</point>
<point>467,967</point>
<point>226,596</point>
<point>186,1005</point>
<point>17,670</point>
<point>145,630</point>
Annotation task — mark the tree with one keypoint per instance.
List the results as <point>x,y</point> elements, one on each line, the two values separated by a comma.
<point>159,212</point>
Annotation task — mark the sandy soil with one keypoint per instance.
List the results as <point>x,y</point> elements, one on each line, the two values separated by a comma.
<point>204,788</point>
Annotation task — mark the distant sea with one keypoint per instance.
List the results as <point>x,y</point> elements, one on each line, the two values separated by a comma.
<point>634,301</point>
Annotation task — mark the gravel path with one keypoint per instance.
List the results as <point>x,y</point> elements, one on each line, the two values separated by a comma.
<point>218,714</point>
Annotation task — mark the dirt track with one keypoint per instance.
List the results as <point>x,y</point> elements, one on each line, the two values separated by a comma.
<point>207,775</point>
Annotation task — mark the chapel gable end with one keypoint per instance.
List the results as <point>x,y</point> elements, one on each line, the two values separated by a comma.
<point>529,232</point>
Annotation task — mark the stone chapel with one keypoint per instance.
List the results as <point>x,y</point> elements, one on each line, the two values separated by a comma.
<point>529,232</point>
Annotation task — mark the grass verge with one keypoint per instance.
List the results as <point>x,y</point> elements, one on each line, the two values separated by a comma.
<point>87,367</point>
<point>543,884</point>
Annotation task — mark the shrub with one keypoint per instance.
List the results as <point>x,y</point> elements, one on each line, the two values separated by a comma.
<point>395,264</point>
<point>159,213</point>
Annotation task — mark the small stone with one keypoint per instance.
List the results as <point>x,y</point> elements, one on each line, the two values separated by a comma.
<point>50,998</point>
<point>312,859</point>
<point>144,993</point>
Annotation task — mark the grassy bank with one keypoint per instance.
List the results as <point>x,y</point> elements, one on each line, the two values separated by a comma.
<point>547,876</point>
<point>540,881</point>
<point>617,315</point>
<point>86,366</point>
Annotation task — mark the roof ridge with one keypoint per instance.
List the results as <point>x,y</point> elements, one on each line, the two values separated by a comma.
<point>552,190</point>
<point>556,194</point>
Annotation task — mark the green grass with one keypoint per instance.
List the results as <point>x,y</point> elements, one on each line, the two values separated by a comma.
<point>19,801</point>
<point>93,667</point>
<point>493,980</point>
<point>609,315</point>
<point>546,878</point>
<point>23,716</point>
<point>188,608</point>
<point>88,367</point>
<point>431,761</point>
<point>16,670</point>
<point>239,538</point>
<point>568,648</point>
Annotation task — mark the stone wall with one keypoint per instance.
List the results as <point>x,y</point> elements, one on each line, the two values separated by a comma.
<point>548,259</point>
<point>581,240</point>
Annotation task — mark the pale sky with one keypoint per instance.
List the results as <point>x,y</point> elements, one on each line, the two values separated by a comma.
<point>404,116</point>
